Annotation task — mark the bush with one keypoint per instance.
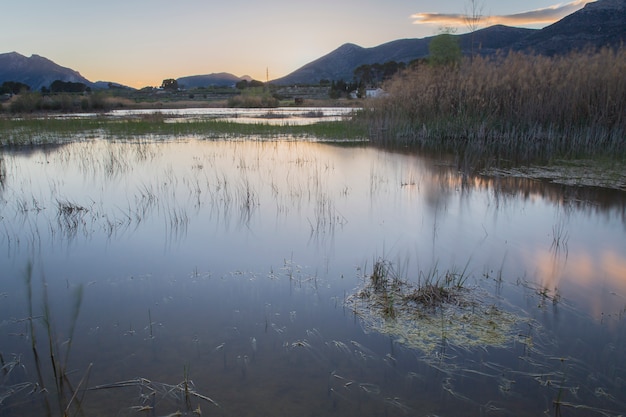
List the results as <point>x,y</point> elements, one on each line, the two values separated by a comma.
<point>245,100</point>
<point>25,103</point>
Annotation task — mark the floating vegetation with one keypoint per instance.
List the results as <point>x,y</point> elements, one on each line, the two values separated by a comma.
<point>439,310</point>
<point>153,395</point>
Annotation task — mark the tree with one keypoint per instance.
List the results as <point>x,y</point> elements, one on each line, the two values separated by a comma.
<point>13,87</point>
<point>444,49</point>
<point>473,16</point>
<point>60,86</point>
<point>170,84</point>
<point>241,85</point>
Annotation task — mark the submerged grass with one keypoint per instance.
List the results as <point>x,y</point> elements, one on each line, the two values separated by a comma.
<point>437,311</point>
<point>27,131</point>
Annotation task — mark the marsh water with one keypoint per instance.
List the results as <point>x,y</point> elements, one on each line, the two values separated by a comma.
<point>184,275</point>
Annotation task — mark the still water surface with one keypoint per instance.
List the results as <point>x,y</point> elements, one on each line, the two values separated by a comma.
<point>231,264</point>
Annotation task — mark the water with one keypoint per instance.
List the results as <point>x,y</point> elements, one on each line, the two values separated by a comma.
<point>234,265</point>
<point>274,116</point>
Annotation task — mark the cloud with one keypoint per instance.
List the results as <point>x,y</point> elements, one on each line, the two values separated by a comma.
<point>545,15</point>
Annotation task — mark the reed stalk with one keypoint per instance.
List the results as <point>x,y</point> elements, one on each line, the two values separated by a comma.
<point>510,108</point>
<point>63,384</point>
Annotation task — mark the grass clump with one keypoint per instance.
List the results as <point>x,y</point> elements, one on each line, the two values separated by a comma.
<point>439,310</point>
<point>509,108</point>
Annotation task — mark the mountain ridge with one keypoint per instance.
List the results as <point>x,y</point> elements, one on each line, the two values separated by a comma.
<point>597,24</point>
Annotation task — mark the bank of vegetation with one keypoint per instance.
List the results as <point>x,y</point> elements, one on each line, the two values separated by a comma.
<point>510,108</point>
<point>34,130</point>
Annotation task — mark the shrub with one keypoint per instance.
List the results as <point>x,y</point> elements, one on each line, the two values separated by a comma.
<point>25,103</point>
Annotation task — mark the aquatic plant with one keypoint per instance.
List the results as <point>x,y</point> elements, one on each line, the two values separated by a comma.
<point>155,395</point>
<point>438,310</point>
<point>67,395</point>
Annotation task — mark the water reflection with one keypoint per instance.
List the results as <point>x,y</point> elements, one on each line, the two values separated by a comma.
<point>274,116</point>
<point>220,269</point>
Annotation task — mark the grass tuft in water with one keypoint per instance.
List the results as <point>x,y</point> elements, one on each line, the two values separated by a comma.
<point>437,310</point>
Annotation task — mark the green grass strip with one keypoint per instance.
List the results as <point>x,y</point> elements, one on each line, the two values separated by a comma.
<point>22,131</point>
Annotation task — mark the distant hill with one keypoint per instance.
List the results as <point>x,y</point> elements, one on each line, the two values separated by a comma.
<point>222,79</point>
<point>36,71</point>
<point>601,23</point>
<point>340,63</point>
<point>598,24</point>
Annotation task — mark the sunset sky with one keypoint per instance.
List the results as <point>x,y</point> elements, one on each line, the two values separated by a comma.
<point>141,42</point>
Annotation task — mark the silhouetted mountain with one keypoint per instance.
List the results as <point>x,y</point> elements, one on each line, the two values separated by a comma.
<point>598,24</point>
<point>601,23</point>
<point>222,79</point>
<point>36,71</point>
<point>340,64</point>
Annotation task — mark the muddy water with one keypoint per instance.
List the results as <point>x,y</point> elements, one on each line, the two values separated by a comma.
<point>230,265</point>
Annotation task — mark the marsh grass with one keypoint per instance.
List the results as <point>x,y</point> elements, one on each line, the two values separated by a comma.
<point>437,310</point>
<point>3,171</point>
<point>156,396</point>
<point>68,397</point>
<point>509,109</point>
<point>32,130</point>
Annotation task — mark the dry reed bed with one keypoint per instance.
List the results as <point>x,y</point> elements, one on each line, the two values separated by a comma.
<point>518,107</point>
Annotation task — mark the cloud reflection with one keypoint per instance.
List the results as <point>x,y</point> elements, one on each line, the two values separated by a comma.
<point>545,15</point>
<point>586,276</point>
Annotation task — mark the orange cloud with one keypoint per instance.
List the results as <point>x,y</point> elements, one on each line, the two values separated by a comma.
<point>546,15</point>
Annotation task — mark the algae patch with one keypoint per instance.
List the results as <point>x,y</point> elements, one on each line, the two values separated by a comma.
<point>436,311</point>
<point>582,173</point>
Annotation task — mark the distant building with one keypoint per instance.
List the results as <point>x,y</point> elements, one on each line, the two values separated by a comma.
<point>375,93</point>
<point>369,93</point>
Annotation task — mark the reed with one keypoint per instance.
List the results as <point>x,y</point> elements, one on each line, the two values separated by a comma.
<point>67,397</point>
<point>509,108</point>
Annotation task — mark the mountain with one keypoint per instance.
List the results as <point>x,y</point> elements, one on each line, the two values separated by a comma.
<point>222,79</point>
<point>598,24</point>
<point>340,63</point>
<point>35,71</point>
<point>601,23</point>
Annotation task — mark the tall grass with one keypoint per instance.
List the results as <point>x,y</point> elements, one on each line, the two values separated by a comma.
<point>68,397</point>
<point>67,102</point>
<point>515,107</point>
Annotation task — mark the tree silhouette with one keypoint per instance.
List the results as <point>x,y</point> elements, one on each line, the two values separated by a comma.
<point>169,84</point>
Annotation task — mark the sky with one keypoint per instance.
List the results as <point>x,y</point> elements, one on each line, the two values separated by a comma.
<point>140,43</point>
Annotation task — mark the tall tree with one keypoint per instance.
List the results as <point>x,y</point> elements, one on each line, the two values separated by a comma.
<point>472,19</point>
<point>444,49</point>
